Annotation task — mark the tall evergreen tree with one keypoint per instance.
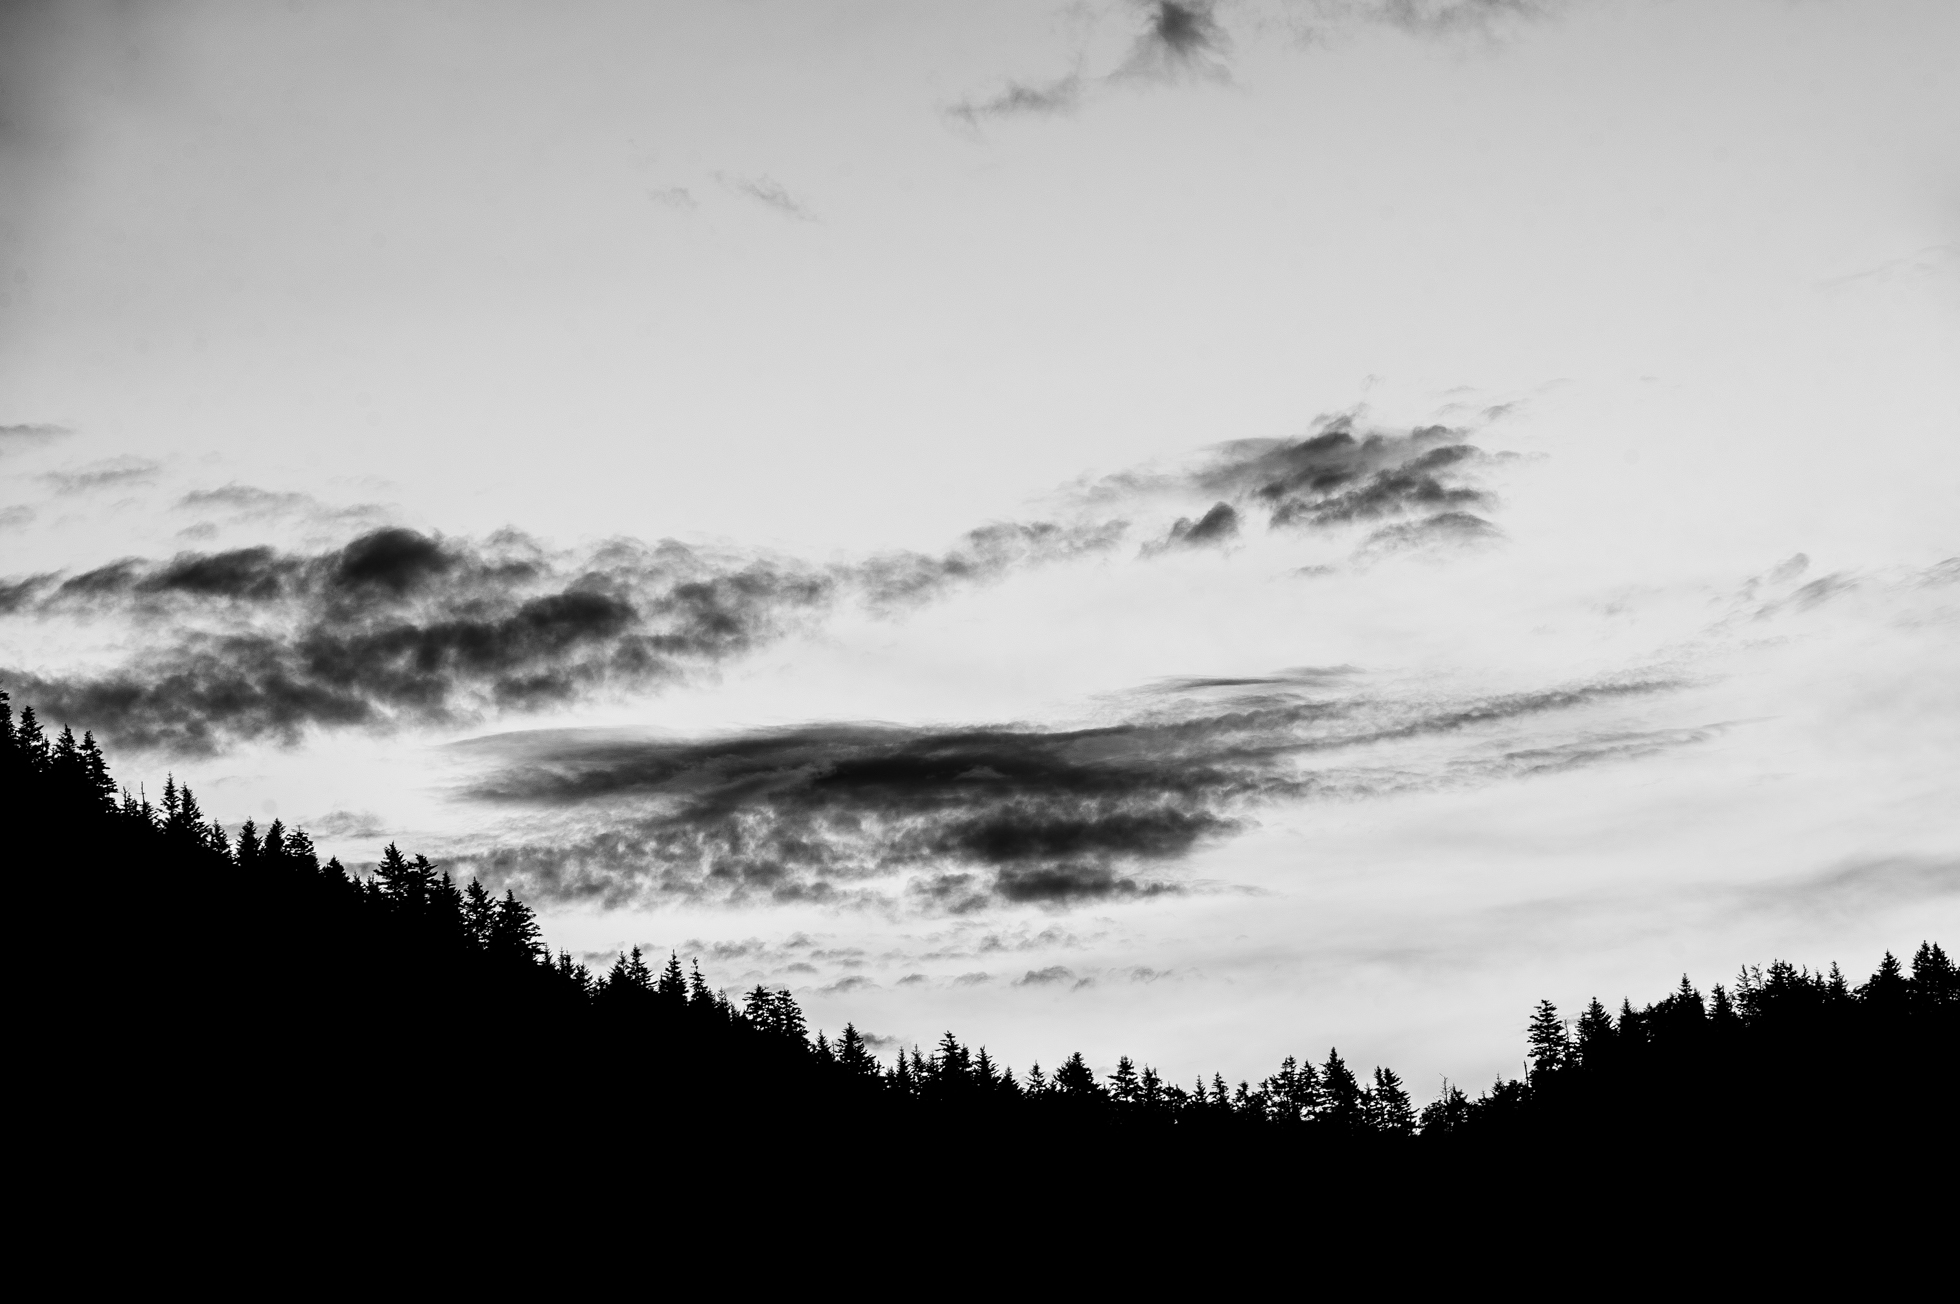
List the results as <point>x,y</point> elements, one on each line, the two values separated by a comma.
<point>1340,1095</point>
<point>672,987</point>
<point>1546,1035</point>
<point>1389,1110</point>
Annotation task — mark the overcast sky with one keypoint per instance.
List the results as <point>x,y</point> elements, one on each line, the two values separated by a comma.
<point>1203,533</point>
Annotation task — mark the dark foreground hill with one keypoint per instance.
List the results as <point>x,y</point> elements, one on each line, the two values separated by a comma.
<point>395,1027</point>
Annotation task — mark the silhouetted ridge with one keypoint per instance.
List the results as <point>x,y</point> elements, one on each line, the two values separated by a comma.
<point>372,997</point>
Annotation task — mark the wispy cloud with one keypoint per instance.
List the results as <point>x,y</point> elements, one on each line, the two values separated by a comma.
<point>20,438</point>
<point>954,820</point>
<point>244,502</point>
<point>1023,99</point>
<point>115,473</point>
<point>768,192</point>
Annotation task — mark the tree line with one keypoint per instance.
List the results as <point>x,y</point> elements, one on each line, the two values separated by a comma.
<point>400,975</point>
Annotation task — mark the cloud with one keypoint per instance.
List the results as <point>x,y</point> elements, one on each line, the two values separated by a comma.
<point>1453,530</point>
<point>768,192</point>
<point>1053,974</point>
<point>398,627</point>
<point>244,502</point>
<point>20,438</point>
<point>13,518</point>
<point>950,821</point>
<point>1339,476</point>
<point>1856,889</point>
<point>1180,39</point>
<point>18,594</point>
<point>1218,526</point>
<point>1184,41</point>
<point>115,473</point>
<point>347,824</point>
<point>1335,478</point>
<point>674,197</point>
<point>1023,99</point>
<point>900,578</point>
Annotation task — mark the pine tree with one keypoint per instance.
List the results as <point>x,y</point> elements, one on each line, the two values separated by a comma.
<point>1123,1085</point>
<point>759,1007</point>
<point>1550,1046</point>
<point>1075,1080</point>
<point>951,1064</point>
<point>479,910</point>
<point>1887,991</point>
<point>852,1054</point>
<point>1340,1095</point>
<point>30,744</point>
<point>636,976</point>
<point>514,933</point>
<point>1935,985</point>
<point>787,1018</point>
<point>248,846</point>
<point>672,987</point>
<point>1389,1111</point>
<point>95,768</point>
<point>1595,1041</point>
<point>1449,1112</point>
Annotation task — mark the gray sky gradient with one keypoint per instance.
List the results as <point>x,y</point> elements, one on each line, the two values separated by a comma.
<point>1202,531</point>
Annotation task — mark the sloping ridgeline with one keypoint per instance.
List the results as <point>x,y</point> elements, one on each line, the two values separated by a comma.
<point>396,1015</point>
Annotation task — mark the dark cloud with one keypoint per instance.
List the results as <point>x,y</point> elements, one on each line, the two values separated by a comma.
<point>17,594</point>
<point>399,627</point>
<point>1180,38</point>
<point>17,439</point>
<point>769,193</point>
<point>1048,977</point>
<point>967,819</point>
<point>116,473</point>
<point>1336,477</point>
<point>1339,476</point>
<point>1219,525</point>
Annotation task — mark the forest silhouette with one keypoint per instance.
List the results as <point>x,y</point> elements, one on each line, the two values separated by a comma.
<point>251,991</point>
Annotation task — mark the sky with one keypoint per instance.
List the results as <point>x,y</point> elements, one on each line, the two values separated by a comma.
<point>1197,532</point>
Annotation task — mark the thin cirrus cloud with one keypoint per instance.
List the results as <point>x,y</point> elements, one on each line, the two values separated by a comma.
<point>244,502</point>
<point>115,473</point>
<point>954,820</point>
<point>20,438</point>
<point>769,193</point>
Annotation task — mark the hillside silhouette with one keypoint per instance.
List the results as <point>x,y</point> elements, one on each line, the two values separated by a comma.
<point>241,997</point>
